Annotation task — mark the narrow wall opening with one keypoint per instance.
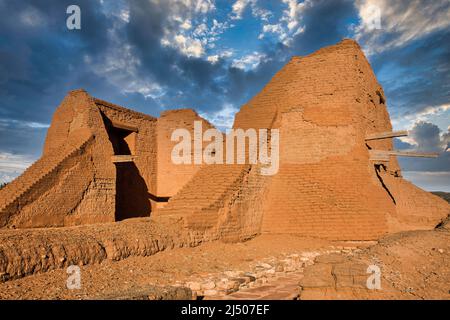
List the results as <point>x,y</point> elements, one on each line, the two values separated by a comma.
<point>132,196</point>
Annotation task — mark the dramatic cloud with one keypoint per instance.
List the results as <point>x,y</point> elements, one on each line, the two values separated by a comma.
<point>401,21</point>
<point>209,55</point>
<point>426,137</point>
<point>222,119</point>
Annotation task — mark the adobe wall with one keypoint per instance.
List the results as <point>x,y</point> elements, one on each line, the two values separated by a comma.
<point>171,177</point>
<point>71,174</point>
<point>143,144</point>
<point>324,105</point>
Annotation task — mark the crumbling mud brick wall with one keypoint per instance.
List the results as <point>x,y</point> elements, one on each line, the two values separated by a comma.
<point>77,181</point>
<point>132,134</point>
<point>103,163</point>
<point>170,176</point>
<point>71,174</point>
<point>324,105</point>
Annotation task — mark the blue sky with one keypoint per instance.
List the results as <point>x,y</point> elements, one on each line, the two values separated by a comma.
<point>213,56</point>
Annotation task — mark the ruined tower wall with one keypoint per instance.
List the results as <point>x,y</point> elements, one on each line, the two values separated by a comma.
<point>334,189</point>
<point>324,105</point>
<point>323,157</point>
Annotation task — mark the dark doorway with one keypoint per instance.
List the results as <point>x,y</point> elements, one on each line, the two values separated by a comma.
<point>122,141</point>
<point>132,199</point>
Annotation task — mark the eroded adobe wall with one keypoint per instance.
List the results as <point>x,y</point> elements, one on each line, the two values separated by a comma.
<point>333,191</point>
<point>416,209</point>
<point>172,177</point>
<point>71,183</point>
<point>324,105</point>
<point>136,180</point>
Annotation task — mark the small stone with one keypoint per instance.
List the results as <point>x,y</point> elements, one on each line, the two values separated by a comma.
<point>227,284</point>
<point>210,292</point>
<point>194,286</point>
<point>208,285</point>
<point>441,251</point>
<point>270,272</point>
<point>290,268</point>
<point>231,274</point>
<point>279,268</point>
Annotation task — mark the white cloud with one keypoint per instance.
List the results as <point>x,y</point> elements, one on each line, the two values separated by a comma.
<point>222,119</point>
<point>430,111</point>
<point>216,57</point>
<point>239,7</point>
<point>249,62</point>
<point>186,27</point>
<point>120,66</point>
<point>289,24</point>
<point>429,180</point>
<point>189,46</point>
<point>11,166</point>
<point>30,124</point>
<point>32,17</point>
<point>434,114</point>
<point>213,58</point>
<point>125,15</point>
<point>402,20</point>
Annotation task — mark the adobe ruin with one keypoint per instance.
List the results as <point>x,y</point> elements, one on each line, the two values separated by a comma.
<point>338,177</point>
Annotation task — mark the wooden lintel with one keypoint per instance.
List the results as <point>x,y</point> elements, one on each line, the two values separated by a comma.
<point>386,135</point>
<point>122,158</point>
<point>383,155</point>
<point>413,154</point>
<point>379,155</point>
<point>124,126</point>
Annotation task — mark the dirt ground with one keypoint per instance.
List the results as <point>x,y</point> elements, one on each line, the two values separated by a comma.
<point>415,266</point>
<point>164,268</point>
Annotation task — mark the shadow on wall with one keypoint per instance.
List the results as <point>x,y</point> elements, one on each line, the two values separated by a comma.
<point>132,200</point>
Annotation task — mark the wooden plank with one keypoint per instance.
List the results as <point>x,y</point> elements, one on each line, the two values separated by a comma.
<point>124,126</point>
<point>413,154</point>
<point>379,155</point>
<point>122,158</point>
<point>386,135</point>
<point>383,155</point>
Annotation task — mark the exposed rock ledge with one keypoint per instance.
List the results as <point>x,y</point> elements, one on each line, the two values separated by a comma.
<point>29,251</point>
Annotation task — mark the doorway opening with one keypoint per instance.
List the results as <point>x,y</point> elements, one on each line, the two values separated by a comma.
<point>132,198</point>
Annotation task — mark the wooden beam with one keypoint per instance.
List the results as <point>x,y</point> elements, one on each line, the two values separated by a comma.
<point>386,135</point>
<point>413,154</point>
<point>124,126</point>
<point>379,155</point>
<point>122,158</point>
<point>384,155</point>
